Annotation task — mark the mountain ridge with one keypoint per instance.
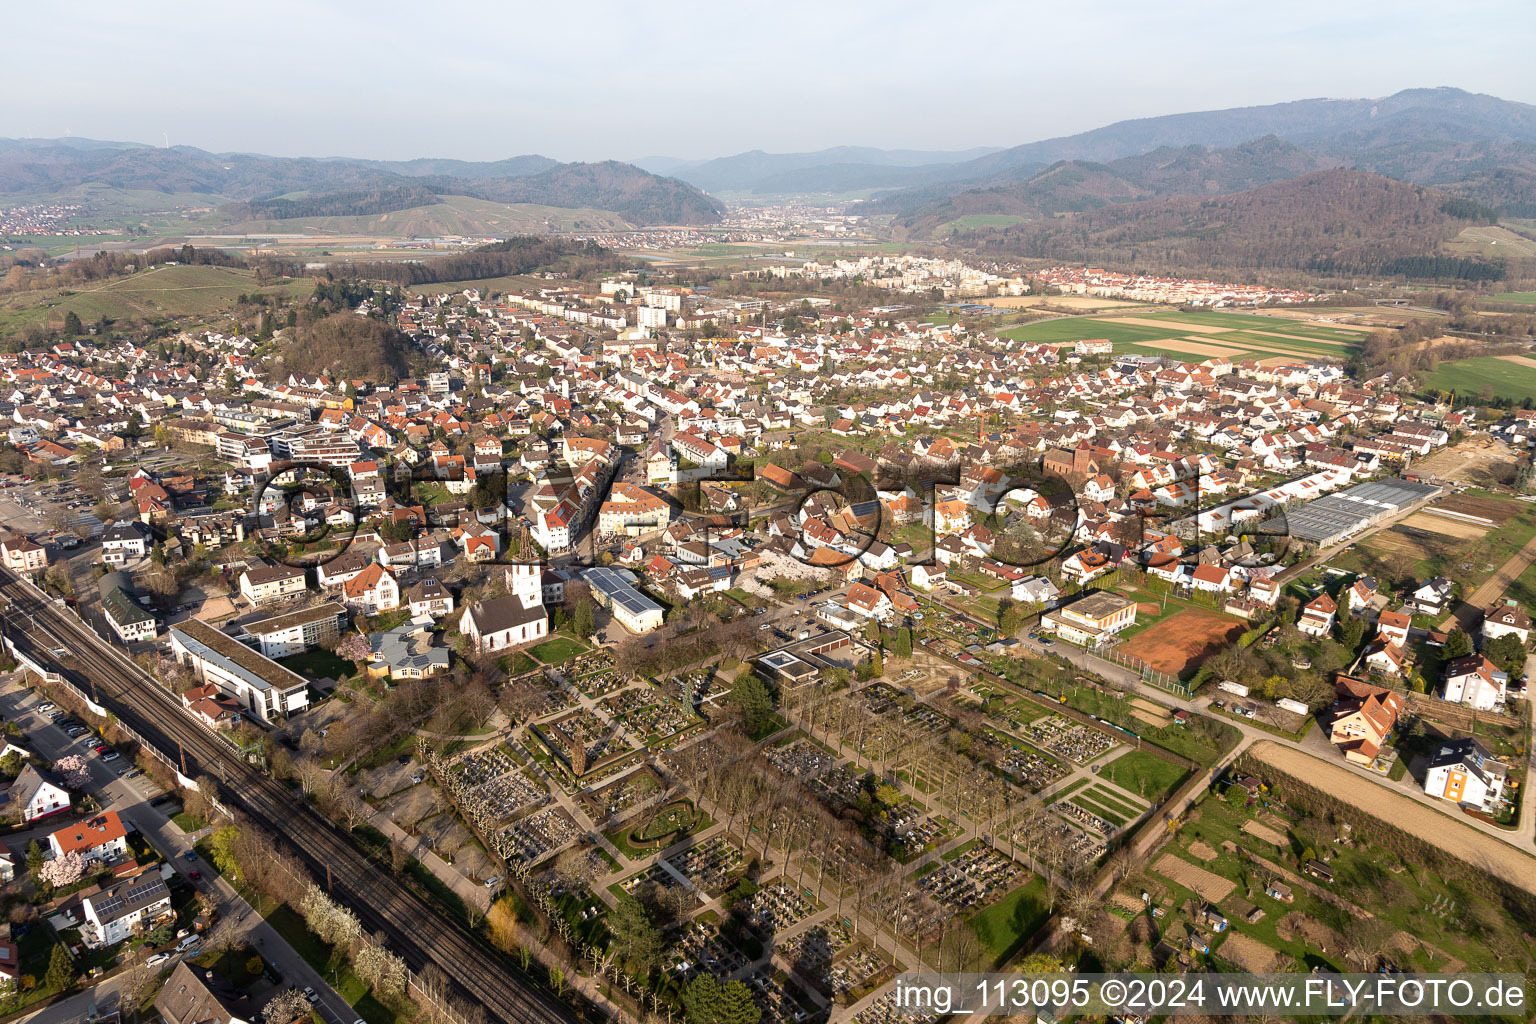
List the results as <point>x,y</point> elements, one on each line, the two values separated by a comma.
<point>639,197</point>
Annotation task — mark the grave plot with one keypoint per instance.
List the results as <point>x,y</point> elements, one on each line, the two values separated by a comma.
<point>537,836</point>
<point>802,759</point>
<point>777,998</point>
<point>710,866</point>
<point>885,1011</point>
<point>1072,740</point>
<point>777,906</point>
<point>620,796</point>
<point>853,972</point>
<point>972,879</point>
<point>658,877</point>
<point>648,715</point>
<point>914,830</point>
<point>491,786</point>
<point>812,952</point>
<point>601,743</point>
<point>700,947</point>
<point>1030,769</point>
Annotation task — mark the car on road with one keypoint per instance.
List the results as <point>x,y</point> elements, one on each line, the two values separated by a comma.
<point>188,942</point>
<point>195,875</point>
<point>190,855</point>
<point>311,995</point>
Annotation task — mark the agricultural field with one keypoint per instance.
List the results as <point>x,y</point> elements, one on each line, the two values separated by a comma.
<point>1526,298</point>
<point>1194,336</point>
<point>154,294</point>
<point>1494,376</point>
<point>1425,545</point>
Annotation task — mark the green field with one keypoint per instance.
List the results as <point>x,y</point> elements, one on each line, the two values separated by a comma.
<point>1003,926</point>
<point>972,221</point>
<point>1501,378</point>
<point>1144,774</point>
<point>153,294</point>
<point>1525,297</point>
<point>1248,335</point>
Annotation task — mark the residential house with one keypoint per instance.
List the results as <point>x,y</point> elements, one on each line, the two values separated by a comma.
<point>1393,627</point>
<point>429,597</point>
<point>125,542</point>
<point>116,912</point>
<point>1465,771</point>
<point>20,555</point>
<point>199,995</point>
<point>1473,680</point>
<point>102,838</point>
<point>1506,619</point>
<point>1363,717</point>
<point>267,583</point>
<point>33,796</point>
<point>372,591</point>
<point>1317,616</point>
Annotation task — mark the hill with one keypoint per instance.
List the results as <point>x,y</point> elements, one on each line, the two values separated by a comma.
<point>638,196</point>
<point>283,187</point>
<point>1334,221</point>
<point>444,215</point>
<point>840,168</point>
<point>1445,137</point>
<point>1073,186</point>
<point>348,346</point>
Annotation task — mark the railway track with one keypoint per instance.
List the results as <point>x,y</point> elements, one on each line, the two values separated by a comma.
<point>416,930</point>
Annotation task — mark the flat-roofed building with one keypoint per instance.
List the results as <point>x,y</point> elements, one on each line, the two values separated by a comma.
<point>264,689</point>
<point>266,583</point>
<point>1091,620</point>
<point>297,632</point>
<point>613,589</point>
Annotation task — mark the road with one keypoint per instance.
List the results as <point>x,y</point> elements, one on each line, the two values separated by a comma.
<point>415,928</point>
<point>130,798</point>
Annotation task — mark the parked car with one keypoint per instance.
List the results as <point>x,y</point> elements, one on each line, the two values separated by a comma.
<point>100,748</point>
<point>157,959</point>
<point>47,706</point>
<point>111,755</point>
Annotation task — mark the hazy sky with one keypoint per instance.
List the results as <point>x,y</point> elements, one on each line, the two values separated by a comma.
<point>592,80</point>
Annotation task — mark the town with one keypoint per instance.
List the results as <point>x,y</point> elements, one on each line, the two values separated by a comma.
<point>681,638</point>
<point>570,515</point>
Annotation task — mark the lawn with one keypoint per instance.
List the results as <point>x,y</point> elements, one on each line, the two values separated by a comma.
<point>318,664</point>
<point>1009,922</point>
<point>1528,298</point>
<point>1500,377</point>
<point>516,663</point>
<point>558,649</point>
<point>1143,773</point>
<point>188,822</point>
